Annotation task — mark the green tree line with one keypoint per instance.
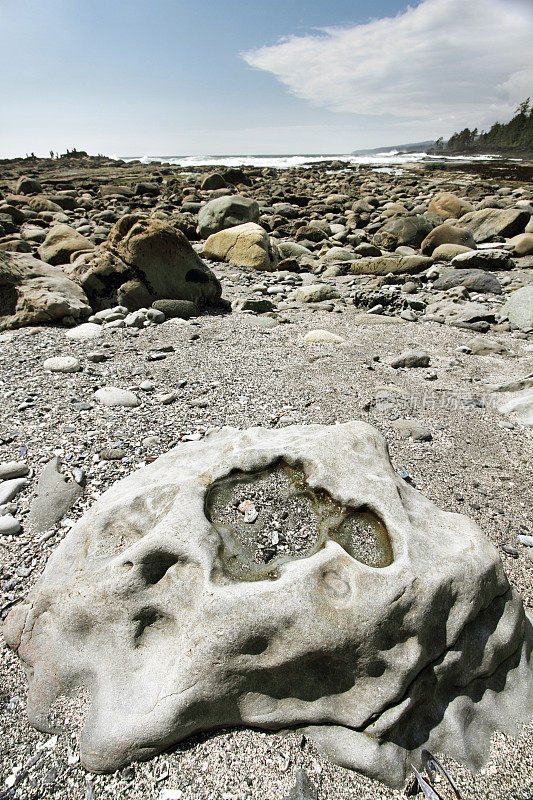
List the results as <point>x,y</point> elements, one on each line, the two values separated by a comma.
<point>515,135</point>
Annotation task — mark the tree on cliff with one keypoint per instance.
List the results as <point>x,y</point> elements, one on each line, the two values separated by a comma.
<point>517,135</point>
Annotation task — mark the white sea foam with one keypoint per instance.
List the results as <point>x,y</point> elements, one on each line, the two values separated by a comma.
<point>385,159</point>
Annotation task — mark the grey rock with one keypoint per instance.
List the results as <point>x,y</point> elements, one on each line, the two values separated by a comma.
<point>412,428</point>
<point>475,280</point>
<point>32,292</point>
<point>13,469</point>
<point>519,308</point>
<point>226,212</point>
<point>113,396</point>
<point>61,242</point>
<point>62,364</point>
<point>303,789</point>
<point>10,488</point>
<point>143,605</point>
<point>483,259</point>
<point>112,453</point>
<point>383,265</point>
<point>411,358</point>
<point>410,230</point>
<point>176,309</point>
<point>519,406</point>
<point>490,222</point>
<point>55,496</point>
<point>9,526</point>
<point>315,293</point>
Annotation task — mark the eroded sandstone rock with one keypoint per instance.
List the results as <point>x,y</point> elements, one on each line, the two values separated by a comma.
<point>372,620</point>
<point>32,292</point>
<point>145,259</point>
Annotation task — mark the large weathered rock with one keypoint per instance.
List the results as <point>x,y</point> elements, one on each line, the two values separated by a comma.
<point>61,242</point>
<point>519,308</point>
<point>403,231</point>
<point>523,244</point>
<point>245,245</point>
<point>27,186</point>
<point>226,212</point>
<point>41,203</point>
<point>475,280</point>
<point>145,259</point>
<point>382,265</point>
<point>446,234</point>
<point>449,206</point>
<point>392,629</point>
<point>32,292</point>
<point>490,222</point>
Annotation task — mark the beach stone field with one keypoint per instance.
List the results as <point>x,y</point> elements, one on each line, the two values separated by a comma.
<point>225,396</point>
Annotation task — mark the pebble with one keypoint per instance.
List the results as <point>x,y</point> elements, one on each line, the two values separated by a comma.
<point>9,526</point>
<point>411,358</point>
<point>62,364</point>
<point>112,453</point>
<point>527,541</point>
<point>320,335</point>
<point>8,489</point>
<point>166,399</point>
<point>147,386</point>
<point>88,330</point>
<point>13,469</point>
<point>151,441</point>
<point>96,357</point>
<point>113,396</point>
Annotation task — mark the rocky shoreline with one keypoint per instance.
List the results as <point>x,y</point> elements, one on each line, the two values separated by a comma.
<point>401,298</point>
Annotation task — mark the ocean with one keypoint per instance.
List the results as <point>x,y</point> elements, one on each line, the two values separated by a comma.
<point>386,159</point>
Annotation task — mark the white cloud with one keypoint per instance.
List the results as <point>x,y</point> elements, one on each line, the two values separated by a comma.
<point>448,62</point>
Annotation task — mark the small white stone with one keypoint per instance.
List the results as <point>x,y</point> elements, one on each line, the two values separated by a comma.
<point>9,526</point>
<point>8,489</point>
<point>13,469</point>
<point>320,335</point>
<point>113,396</point>
<point>62,364</point>
<point>88,330</point>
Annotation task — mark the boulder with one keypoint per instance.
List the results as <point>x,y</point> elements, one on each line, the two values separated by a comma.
<point>410,231</point>
<point>245,245</point>
<point>389,628</point>
<point>445,252</point>
<point>315,293</point>
<point>44,204</point>
<point>475,280</point>
<point>176,309</point>
<point>448,206</point>
<point>214,181</point>
<point>60,244</point>
<point>522,244</point>
<point>488,223</point>
<point>483,259</point>
<point>226,212</point>
<point>33,292</point>
<point>383,265</point>
<point>520,407</point>
<point>145,259</point>
<point>447,234</point>
<point>27,186</point>
<point>519,308</point>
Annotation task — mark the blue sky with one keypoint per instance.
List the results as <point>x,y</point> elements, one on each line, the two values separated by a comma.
<point>173,77</point>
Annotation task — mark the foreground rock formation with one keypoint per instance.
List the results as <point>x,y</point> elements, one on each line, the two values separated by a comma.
<point>144,260</point>
<point>387,626</point>
<point>32,293</point>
